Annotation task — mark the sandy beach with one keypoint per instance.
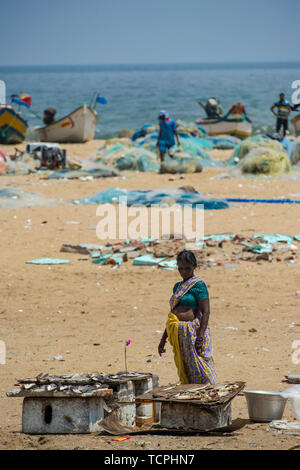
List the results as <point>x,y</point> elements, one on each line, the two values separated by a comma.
<point>85,313</point>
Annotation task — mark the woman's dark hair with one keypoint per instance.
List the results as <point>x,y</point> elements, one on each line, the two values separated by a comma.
<point>187,256</point>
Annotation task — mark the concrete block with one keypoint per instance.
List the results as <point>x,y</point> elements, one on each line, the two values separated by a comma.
<point>188,416</point>
<point>62,415</point>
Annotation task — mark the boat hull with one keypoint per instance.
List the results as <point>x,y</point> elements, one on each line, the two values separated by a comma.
<point>241,129</point>
<point>12,126</point>
<point>78,126</point>
<point>296,124</point>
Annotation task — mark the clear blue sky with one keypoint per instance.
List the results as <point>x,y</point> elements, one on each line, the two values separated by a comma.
<point>46,32</point>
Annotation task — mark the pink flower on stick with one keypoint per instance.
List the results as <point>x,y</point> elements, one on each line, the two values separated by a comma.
<point>126,344</point>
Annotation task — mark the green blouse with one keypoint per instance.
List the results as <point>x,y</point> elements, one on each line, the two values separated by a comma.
<point>191,298</point>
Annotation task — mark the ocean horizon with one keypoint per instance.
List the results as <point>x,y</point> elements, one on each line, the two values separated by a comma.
<point>136,92</point>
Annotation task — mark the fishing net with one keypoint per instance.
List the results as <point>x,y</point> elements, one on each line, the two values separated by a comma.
<point>130,158</point>
<point>255,142</point>
<point>147,198</point>
<point>127,133</point>
<point>181,165</point>
<point>266,161</point>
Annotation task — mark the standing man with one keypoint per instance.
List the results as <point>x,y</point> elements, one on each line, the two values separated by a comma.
<point>167,131</point>
<point>283,111</point>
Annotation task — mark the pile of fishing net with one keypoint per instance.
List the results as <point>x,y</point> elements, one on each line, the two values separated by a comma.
<point>190,147</point>
<point>137,150</point>
<point>122,154</point>
<point>181,164</point>
<point>224,142</point>
<point>261,155</point>
<point>190,129</point>
<point>142,154</point>
<point>265,160</point>
<point>258,141</point>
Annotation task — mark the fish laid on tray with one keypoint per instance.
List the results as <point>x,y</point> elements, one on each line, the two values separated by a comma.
<point>206,394</point>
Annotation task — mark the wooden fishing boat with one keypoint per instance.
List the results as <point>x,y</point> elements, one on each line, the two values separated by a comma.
<point>78,126</point>
<point>239,127</point>
<point>296,124</point>
<point>12,126</point>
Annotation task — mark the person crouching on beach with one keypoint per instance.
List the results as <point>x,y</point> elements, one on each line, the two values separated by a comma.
<point>167,131</point>
<point>187,327</point>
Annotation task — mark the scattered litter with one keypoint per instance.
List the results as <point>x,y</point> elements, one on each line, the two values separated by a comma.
<point>162,252</point>
<point>147,260</point>
<point>169,265</point>
<point>293,393</point>
<point>74,249</point>
<point>48,261</point>
<point>293,379</point>
<point>269,238</point>
<point>58,358</point>
<point>285,425</point>
<point>123,438</point>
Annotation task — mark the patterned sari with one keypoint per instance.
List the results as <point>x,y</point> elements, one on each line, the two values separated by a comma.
<point>192,368</point>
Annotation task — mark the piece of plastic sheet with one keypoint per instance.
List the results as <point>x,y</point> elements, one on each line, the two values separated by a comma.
<point>169,265</point>
<point>293,393</point>
<point>219,237</point>
<point>269,238</point>
<point>147,260</point>
<point>48,261</point>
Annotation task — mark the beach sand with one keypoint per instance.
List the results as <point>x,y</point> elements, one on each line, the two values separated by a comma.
<point>85,313</point>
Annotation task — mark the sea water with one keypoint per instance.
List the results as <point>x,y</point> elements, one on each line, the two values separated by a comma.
<point>136,93</point>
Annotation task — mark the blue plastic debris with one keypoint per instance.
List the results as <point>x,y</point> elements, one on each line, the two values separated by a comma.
<point>267,237</point>
<point>102,259</point>
<point>169,265</point>
<point>48,261</point>
<point>147,260</point>
<point>263,248</point>
<point>220,237</point>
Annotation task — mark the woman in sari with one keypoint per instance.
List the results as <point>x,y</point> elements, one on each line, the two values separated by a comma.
<point>187,326</point>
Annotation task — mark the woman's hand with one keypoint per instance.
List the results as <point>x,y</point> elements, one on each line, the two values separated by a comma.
<point>161,346</point>
<point>199,346</point>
